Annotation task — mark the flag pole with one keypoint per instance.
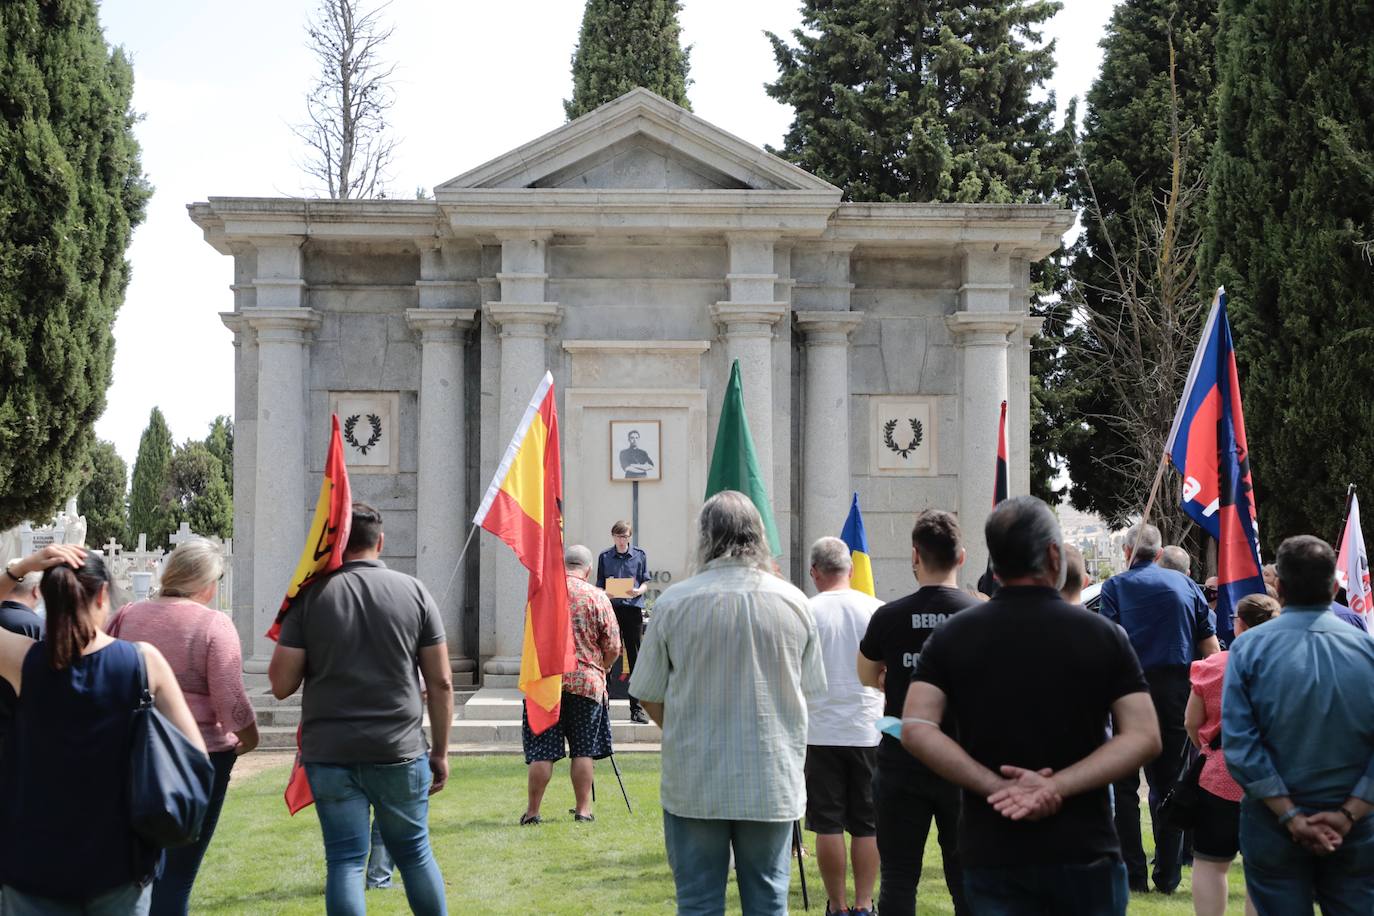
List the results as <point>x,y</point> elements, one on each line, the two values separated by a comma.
<point>458,565</point>
<point>1154,489</point>
<point>1349,492</point>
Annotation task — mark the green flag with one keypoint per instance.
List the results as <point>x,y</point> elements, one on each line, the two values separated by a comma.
<point>734,466</point>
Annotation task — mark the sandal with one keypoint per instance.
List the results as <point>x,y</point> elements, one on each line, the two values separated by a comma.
<point>528,820</point>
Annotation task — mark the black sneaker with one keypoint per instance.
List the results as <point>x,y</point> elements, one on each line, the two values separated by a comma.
<point>639,717</point>
<point>583,818</point>
<point>530,820</point>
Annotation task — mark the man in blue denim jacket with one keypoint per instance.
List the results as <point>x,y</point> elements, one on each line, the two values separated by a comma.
<point>1297,721</point>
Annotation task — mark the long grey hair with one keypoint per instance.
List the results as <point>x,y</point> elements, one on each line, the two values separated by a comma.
<point>730,526</point>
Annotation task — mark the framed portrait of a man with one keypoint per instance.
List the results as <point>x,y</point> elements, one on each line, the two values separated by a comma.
<point>635,450</point>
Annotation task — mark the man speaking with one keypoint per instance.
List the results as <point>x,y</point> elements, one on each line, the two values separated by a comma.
<point>622,570</point>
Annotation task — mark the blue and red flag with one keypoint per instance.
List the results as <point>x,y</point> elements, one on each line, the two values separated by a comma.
<point>1207,446</point>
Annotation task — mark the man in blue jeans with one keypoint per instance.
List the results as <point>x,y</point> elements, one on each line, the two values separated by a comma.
<point>727,666</point>
<point>1029,680</point>
<point>1297,725</point>
<point>363,630</point>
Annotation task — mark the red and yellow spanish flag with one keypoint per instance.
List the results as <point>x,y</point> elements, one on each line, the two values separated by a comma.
<point>323,553</point>
<point>524,507</point>
<point>324,545</point>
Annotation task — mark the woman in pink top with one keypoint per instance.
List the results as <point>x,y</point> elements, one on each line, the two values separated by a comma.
<point>1216,836</point>
<point>202,647</point>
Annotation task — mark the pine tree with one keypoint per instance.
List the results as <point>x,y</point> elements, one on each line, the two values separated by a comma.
<point>196,492</point>
<point>1119,372</point>
<point>625,44</point>
<point>101,500</point>
<point>148,496</point>
<point>924,101</point>
<point>1291,218</point>
<point>940,101</point>
<point>71,189</point>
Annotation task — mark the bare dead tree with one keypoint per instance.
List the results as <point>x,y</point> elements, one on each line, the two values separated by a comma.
<point>1137,341</point>
<point>347,134</point>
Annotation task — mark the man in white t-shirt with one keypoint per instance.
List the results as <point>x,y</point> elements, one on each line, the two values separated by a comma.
<point>842,735</point>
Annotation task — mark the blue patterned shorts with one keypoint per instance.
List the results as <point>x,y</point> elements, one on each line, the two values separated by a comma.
<point>584,723</point>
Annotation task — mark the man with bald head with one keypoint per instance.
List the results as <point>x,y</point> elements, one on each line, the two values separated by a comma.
<point>584,722</point>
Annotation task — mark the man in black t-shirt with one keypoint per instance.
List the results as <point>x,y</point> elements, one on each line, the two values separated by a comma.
<point>906,794</point>
<point>1029,680</point>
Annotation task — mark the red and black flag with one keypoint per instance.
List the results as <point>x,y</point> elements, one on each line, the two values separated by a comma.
<point>999,482</point>
<point>987,583</point>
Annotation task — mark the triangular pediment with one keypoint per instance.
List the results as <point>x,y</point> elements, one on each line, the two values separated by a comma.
<point>640,141</point>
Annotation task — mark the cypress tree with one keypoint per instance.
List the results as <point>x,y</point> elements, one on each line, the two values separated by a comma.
<point>625,44</point>
<point>148,496</point>
<point>220,442</point>
<point>101,500</point>
<point>924,101</point>
<point>1290,213</point>
<point>1111,447</point>
<point>71,190</point>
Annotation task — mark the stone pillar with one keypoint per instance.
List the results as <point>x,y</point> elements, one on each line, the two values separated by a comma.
<point>442,511</point>
<point>982,341</point>
<point>279,503</point>
<point>826,481</point>
<point>748,337</point>
<point>747,319</point>
<point>245,456</point>
<point>523,318</point>
<point>1018,404</point>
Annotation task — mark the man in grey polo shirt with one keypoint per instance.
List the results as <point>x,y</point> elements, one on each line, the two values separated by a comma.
<point>356,639</point>
<point>726,668</point>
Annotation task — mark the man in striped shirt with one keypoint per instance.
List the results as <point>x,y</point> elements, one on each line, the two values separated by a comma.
<point>726,668</point>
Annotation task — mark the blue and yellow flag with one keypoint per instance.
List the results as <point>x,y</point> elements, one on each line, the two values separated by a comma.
<point>861,579</point>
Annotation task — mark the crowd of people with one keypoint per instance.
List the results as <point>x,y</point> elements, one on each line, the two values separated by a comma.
<point>1017,724</point>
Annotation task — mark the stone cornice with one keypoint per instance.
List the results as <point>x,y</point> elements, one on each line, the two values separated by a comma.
<point>229,221</point>
<point>441,324</point>
<point>973,329</point>
<point>636,346</point>
<point>828,327</point>
<point>288,325</point>
<point>235,322</point>
<point>803,214</point>
<point>1021,230</point>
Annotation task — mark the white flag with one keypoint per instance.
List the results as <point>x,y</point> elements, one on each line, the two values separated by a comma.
<point>1352,565</point>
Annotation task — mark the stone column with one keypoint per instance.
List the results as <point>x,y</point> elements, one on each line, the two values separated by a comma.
<point>748,337</point>
<point>245,456</point>
<point>442,512</point>
<point>982,341</point>
<point>826,482</point>
<point>747,319</point>
<point>524,334</point>
<point>279,503</point>
<point>1018,404</point>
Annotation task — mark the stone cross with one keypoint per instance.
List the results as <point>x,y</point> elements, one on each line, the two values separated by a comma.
<point>183,534</point>
<point>112,548</point>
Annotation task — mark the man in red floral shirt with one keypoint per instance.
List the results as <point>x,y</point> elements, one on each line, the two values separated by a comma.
<point>584,715</point>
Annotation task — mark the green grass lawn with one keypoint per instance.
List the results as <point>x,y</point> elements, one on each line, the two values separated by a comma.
<point>262,861</point>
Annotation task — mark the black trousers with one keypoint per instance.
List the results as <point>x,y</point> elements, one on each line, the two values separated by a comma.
<point>1169,690</point>
<point>905,805</point>
<point>631,622</point>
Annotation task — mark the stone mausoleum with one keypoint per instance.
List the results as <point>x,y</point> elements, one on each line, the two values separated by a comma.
<point>634,253</point>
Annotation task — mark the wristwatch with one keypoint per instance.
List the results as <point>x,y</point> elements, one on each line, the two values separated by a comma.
<point>1288,815</point>
<point>9,569</point>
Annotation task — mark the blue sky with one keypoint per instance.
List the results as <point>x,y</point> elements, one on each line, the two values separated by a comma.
<point>220,84</point>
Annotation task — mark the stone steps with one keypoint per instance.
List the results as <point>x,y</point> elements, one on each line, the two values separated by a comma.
<point>485,721</point>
